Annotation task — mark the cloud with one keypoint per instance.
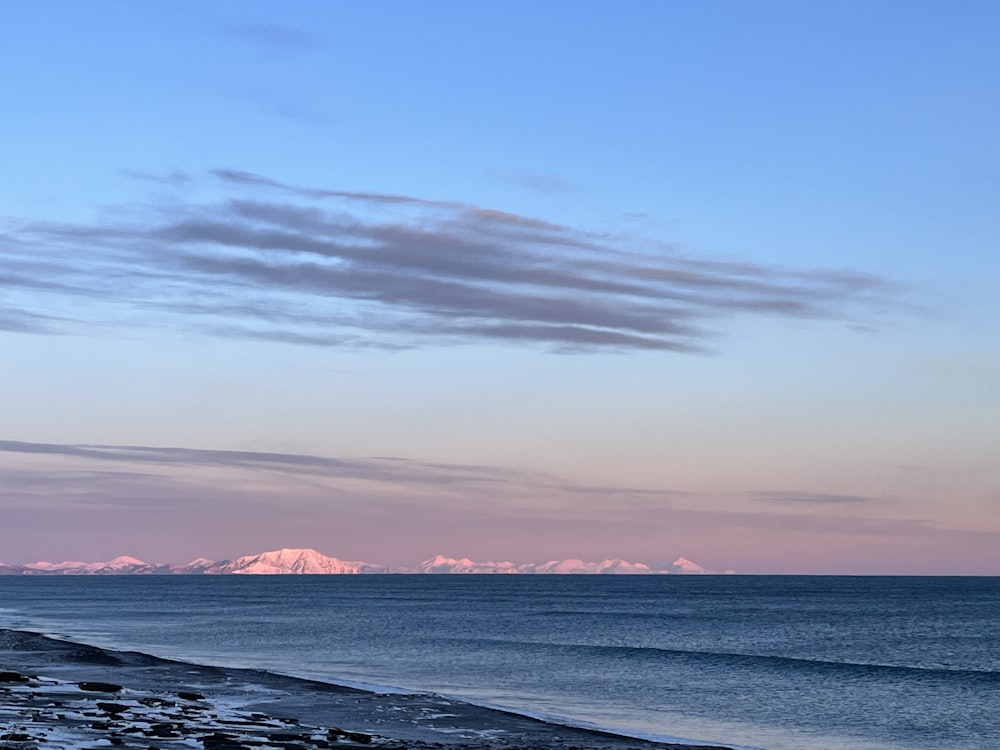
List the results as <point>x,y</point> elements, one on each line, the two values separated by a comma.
<point>490,490</point>
<point>543,183</point>
<point>272,36</point>
<point>174,178</point>
<point>171,463</point>
<point>321,267</point>
<point>174,503</point>
<point>19,321</point>
<point>812,498</point>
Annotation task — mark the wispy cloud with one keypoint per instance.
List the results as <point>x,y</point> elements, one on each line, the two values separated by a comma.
<point>813,498</point>
<point>272,36</point>
<point>174,502</point>
<point>543,183</point>
<point>20,321</point>
<point>140,461</point>
<point>173,178</point>
<point>346,268</point>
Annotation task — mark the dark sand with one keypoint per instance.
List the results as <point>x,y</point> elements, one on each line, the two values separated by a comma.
<point>63,695</point>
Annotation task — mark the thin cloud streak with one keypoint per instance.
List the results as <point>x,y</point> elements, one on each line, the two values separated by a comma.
<point>340,268</point>
<point>543,183</point>
<point>397,471</point>
<point>381,507</point>
<point>435,487</point>
<point>18,321</point>
<point>272,37</point>
<point>175,178</point>
<point>813,498</point>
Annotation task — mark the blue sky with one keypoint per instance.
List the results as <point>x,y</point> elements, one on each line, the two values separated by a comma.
<point>508,280</point>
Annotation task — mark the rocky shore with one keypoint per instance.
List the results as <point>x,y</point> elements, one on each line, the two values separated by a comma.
<point>39,712</point>
<point>69,696</point>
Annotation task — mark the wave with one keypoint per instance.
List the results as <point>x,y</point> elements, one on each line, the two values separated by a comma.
<point>90,654</point>
<point>738,658</point>
<point>546,718</point>
<point>562,721</point>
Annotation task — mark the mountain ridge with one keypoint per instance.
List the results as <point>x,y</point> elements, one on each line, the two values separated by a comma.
<point>308,561</point>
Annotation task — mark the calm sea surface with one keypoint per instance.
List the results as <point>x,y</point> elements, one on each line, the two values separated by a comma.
<point>783,663</point>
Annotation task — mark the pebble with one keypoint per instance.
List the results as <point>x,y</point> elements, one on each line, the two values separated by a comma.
<point>40,712</point>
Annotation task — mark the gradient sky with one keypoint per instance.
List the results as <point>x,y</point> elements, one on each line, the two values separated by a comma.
<point>508,280</point>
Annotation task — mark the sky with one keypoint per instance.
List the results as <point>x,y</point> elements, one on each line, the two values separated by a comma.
<point>512,281</point>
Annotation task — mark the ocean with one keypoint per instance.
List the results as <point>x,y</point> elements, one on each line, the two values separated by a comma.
<point>773,662</point>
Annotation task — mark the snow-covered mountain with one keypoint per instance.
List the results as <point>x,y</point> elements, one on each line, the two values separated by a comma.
<point>442,564</point>
<point>578,567</point>
<point>198,565</point>
<point>683,565</point>
<point>123,565</point>
<point>309,561</point>
<point>290,561</point>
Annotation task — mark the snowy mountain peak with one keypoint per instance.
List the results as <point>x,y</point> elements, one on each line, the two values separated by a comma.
<point>442,564</point>
<point>118,566</point>
<point>288,561</point>
<point>564,566</point>
<point>66,565</point>
<point>683,565</point>
<point>309,561</point>
<point>573,566</point>
<point>623,567</point>
<point>123,561</point>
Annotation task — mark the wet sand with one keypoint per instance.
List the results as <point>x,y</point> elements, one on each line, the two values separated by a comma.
<point>63,695</point>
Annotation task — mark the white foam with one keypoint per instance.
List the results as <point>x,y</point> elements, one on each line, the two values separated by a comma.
<point>553,719</point>
<point>580,724</point>
<point>485,733</point>
<point>368,687</point>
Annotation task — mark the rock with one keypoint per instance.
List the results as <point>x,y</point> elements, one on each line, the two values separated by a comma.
<point>190,695</point>
<point>362,739</point>
<point>112,708</point>
<point>163,729</point>
<point>13,677</point>
<point>156,702</point>
<point>100,687</point>
<point>16,737</point>
<point>221,741</point>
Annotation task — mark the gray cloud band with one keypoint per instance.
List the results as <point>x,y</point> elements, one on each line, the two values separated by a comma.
<point>382,469</point>
<point>133,476</point>
<point>340,268</point>
<point>812,498</point>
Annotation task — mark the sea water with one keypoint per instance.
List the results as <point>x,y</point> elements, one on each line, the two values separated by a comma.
<point>775,662</point>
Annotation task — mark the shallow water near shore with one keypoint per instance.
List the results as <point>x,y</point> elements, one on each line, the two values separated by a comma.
<point>783,663</point>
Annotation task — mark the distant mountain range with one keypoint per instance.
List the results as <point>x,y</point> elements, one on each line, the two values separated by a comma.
<point>309,561</point>
<point>441,564</point>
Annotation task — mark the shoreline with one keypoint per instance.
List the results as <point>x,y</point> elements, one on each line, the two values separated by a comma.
<point>45,702</point>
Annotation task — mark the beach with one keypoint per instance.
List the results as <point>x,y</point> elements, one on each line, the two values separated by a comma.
<point>66,695</point>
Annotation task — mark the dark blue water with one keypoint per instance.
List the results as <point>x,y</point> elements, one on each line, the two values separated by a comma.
<point>783,663</point>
